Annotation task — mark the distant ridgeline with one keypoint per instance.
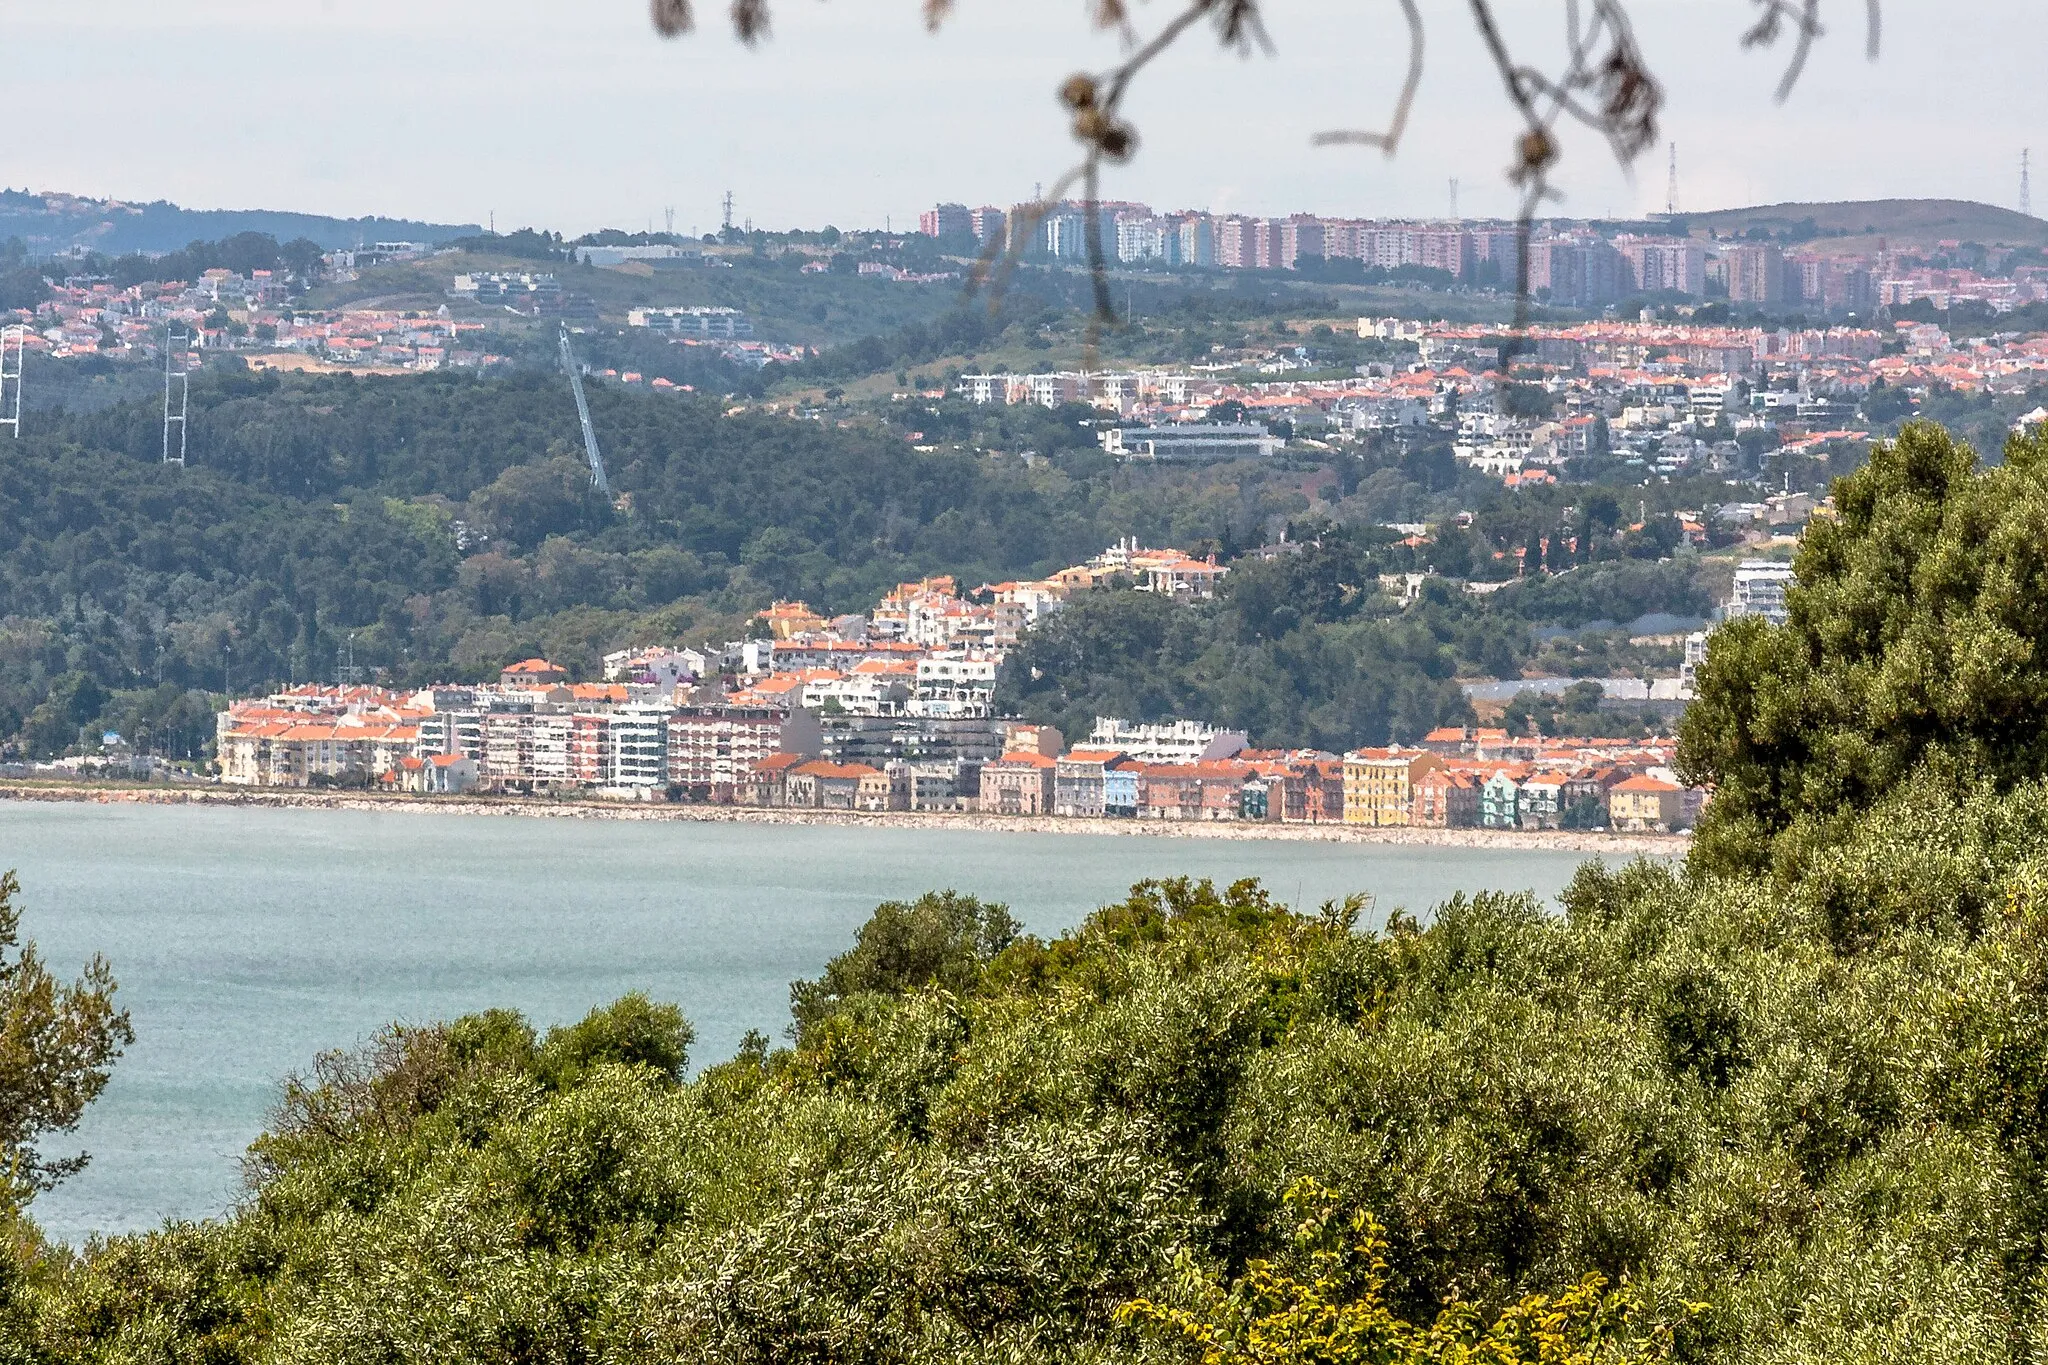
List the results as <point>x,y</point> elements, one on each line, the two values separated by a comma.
<point>51,223</point>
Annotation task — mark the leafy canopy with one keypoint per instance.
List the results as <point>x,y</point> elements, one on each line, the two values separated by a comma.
<point>1916,657</point>
<point>57,1043</point>
<point>942,939</point>
<point>1332,1311</point>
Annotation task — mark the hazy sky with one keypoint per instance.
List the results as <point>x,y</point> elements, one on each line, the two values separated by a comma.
<point>577,116</point>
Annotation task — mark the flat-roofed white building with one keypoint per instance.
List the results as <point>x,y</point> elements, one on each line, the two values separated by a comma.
<point>1760,586</point>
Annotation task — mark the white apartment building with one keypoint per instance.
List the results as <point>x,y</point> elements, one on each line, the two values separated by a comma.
<point>1498,445</point>
<point>985,388</point>
<point>1036,600</point>
<point>636,747</point>
<point>1695,655</point>
<point>1141,238</point>
<point>1760,586</point>
<point>1173,741</point>
<point>693,322</point>
<point>958,684</point>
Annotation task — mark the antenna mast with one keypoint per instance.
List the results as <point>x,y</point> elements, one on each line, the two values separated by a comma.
<point>2026,187</point>
<point>728,210</point>
<point>14,347</point>
<point>175,376</point>
<point>590,451</point>
<point>1671,186</point>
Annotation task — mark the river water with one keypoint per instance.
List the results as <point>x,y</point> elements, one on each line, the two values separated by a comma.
<point>246,941</point>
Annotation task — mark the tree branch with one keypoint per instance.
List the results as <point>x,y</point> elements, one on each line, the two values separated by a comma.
<point>1391,139</point>
<point>1605,86</point>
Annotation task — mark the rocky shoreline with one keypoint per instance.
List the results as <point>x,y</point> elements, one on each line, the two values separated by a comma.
<point>1577,841</point>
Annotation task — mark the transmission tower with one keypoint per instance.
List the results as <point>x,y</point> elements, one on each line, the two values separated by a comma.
<point>590,451</point>
<point>13,351</point>
<point>669,217</point>
<point>2026,187</point>
<point>176,378</point>
<point>1671,186</point>
<point>347,674</point>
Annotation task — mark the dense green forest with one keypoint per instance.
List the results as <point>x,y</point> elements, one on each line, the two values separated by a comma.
<point>1302,651</point>
<point>440,526</point>
<point>1787,1102</point>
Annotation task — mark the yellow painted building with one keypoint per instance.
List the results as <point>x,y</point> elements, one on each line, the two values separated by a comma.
<point>1646,804</point>
<point>1379,784</point>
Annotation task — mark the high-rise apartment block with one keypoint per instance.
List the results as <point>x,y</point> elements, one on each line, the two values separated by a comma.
<point>1298,236</point>
<point>1831,286</point>
<point>946,220</point>
<point>988,223</point>
<point>1571,266</point>
<point>1142,237</point>
<point>1756,273</point>
<point>1577,271</point>
<point>1656,265</point>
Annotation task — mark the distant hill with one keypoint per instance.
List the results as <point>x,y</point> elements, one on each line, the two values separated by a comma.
<point>1901,222</point>
<point>52,223</point>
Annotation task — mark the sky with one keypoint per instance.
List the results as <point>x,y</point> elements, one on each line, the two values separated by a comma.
<point>575,117</point>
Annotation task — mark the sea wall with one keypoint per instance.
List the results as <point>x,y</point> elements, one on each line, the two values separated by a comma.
<point>1579,841</point>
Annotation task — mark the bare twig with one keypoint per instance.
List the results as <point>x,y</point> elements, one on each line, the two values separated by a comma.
<point>672,18</point>
<point>1390,139</point>
<point>1605,86</point>
<point>750,19</point>
<point>1803,17</point>
<point>1000,256</point>
<point>1096,102</point>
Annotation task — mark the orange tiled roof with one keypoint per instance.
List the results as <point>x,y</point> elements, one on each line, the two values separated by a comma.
<point>819,767</point>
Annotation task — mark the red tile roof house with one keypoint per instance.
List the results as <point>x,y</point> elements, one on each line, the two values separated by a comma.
<point>824,785</point>
<point>532,673</point>
<point>1445,798</point>
<point>766,784</point>
<point>1193,791</point>
<point>1645,803</point>
<point>1018,784</point>
<point>436,774</point>
<point>1080,781</point>
<point>1449,740</point>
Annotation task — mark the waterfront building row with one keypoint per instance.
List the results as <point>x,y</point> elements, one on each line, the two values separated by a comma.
<point>1370,788</point>
<point>543,739</point>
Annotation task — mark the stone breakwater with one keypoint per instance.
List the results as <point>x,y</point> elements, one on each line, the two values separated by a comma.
<point>1576,841</point>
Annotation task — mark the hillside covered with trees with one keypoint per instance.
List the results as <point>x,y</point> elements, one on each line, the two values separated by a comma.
<point>439,526</point>
<point>1302,650</point>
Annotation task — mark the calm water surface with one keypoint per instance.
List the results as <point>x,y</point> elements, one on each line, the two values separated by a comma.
<point>247,941</point>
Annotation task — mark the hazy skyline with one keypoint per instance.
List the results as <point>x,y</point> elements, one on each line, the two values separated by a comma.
<point>852,113</point>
